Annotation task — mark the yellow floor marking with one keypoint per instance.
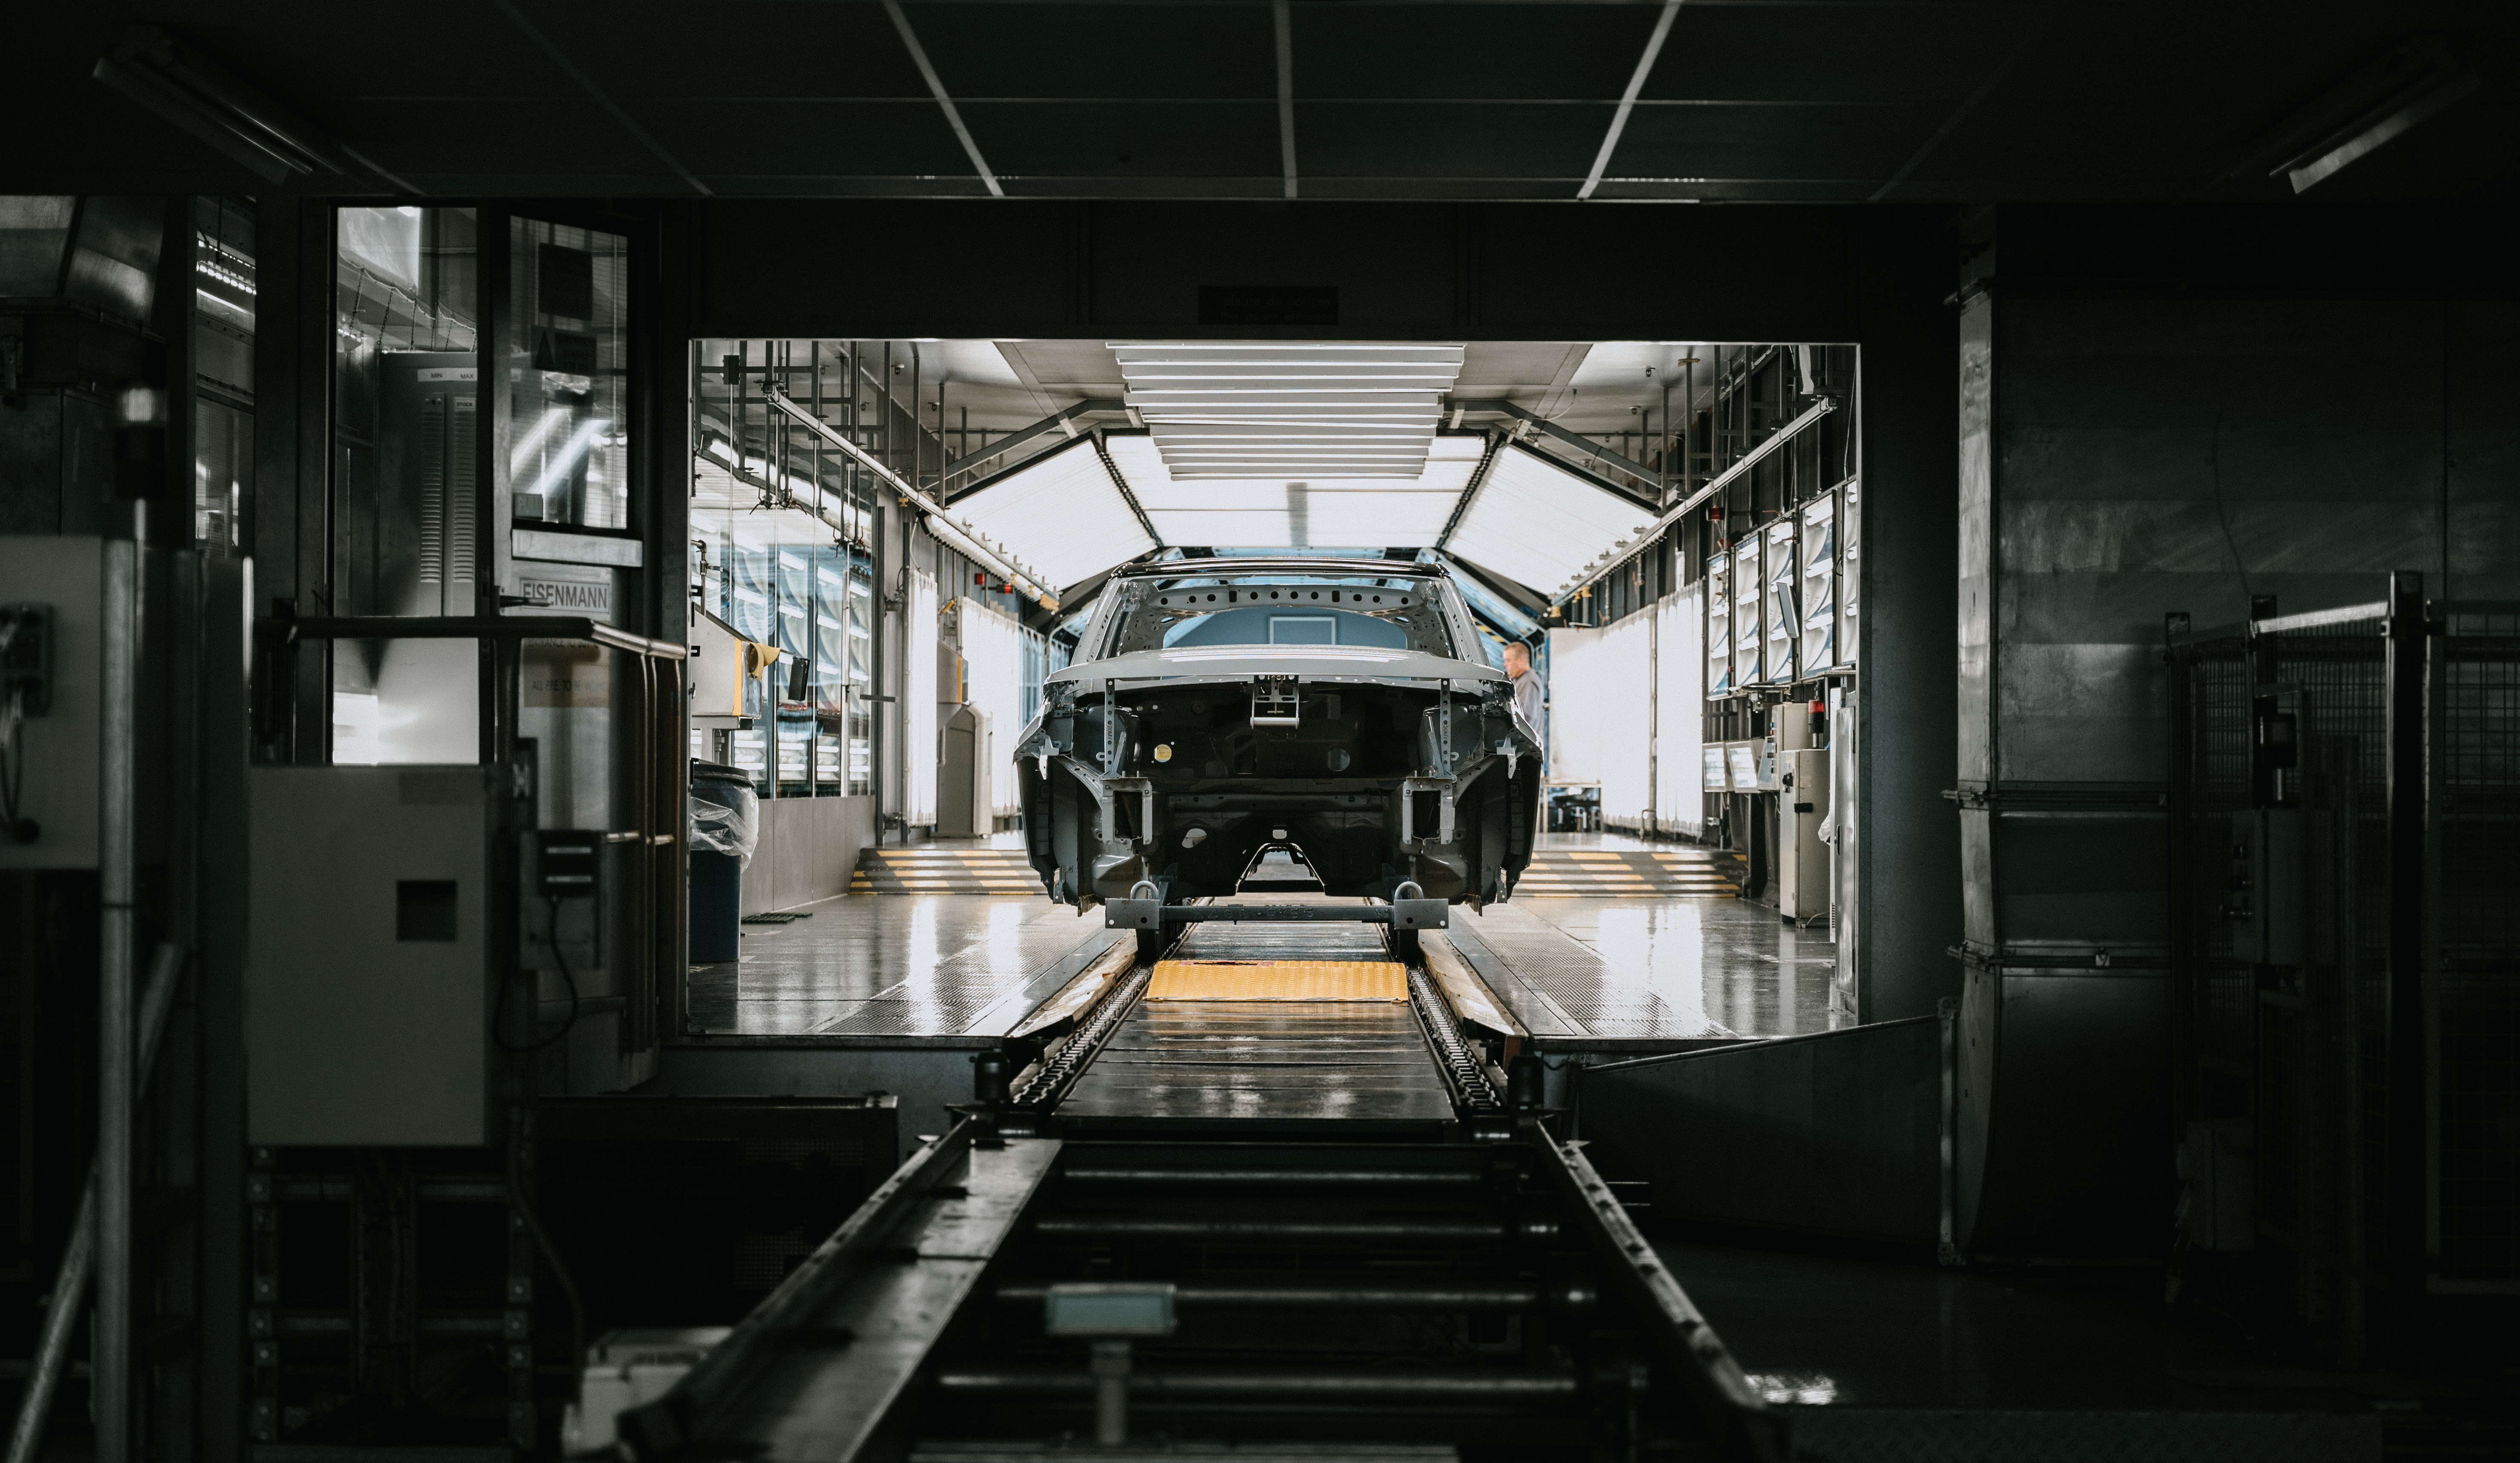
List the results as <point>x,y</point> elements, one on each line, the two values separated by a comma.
<point>1277,980</point>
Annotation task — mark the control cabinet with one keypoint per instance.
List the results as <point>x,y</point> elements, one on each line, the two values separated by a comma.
<point>1802,882</point>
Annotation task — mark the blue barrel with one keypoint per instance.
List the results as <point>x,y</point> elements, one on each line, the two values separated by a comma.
<point>721,841</point>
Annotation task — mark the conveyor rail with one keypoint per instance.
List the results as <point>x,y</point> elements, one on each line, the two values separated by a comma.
<point>1357,1238</point>
<point>1528,1314</point>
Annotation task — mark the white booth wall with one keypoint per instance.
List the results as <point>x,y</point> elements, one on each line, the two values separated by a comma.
<point>1627,710</point>
<point>993,682</point>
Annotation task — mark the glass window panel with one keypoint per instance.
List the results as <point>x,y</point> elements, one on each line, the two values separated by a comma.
<point>747,749</point>
<point>222,466</point>
<point>405,522</point>
<point>570,463</point>
<point>795,754</point>
<point>223,316</point>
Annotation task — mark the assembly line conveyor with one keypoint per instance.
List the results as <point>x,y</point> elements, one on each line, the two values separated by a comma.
<point>1272,1195</point>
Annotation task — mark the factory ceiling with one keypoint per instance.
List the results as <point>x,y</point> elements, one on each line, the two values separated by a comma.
<point>1104,487</point>
<point>1746,100</point>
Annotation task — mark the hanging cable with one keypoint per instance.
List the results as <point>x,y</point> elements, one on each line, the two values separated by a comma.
<point>551,938</point>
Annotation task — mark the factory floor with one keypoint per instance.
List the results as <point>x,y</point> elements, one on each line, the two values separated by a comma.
<point>1708,966</point>
<point>1822,1328</point>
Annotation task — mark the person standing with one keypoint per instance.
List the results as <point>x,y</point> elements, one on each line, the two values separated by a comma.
<point>1526,691</point>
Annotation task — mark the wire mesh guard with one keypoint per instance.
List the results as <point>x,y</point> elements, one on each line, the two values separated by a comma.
<point>2476,987</point>
<point>2301,1053</point>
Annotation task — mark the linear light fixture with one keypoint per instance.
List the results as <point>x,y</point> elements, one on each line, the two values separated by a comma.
<point>1290,410</point>
<point>186,88</point>
<point>2384,101</point>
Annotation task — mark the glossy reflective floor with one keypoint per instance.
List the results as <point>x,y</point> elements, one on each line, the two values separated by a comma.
<point>940,966</point>
<point>864,964</point>
<point>1733,966</point>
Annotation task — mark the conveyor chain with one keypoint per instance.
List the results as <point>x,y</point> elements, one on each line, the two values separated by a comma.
<point>1461,1065</point>
<point>1058,1070</point>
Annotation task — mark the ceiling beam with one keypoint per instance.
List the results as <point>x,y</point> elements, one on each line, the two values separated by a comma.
<point>1284,27</point>
<point>587,84</point>
<point>937,89</point>
<point>1055,421</point>
<point>1551,428</point>
<point>1960,114</point>
<point>1628,100</point>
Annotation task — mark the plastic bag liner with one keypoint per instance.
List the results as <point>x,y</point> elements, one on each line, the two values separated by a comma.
<point>726,818</point>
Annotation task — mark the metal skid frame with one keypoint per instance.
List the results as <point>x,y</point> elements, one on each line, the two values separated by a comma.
<point>1148,912</point>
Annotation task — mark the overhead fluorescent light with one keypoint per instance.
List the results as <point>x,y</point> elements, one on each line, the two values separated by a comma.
<point>2384,101</point>
<point>193,92</point>
<point>1296,410</point>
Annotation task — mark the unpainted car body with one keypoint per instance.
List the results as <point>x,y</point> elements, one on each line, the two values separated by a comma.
<point>1221,709</point>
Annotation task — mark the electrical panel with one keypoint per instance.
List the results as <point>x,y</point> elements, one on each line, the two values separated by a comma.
<point>559,921</point>
<point>2263,892</point>
<point>1802,882</point>
<point>55,587</point>
<point>965,804</point>
<point>724,672</point>
<point>368,992</point>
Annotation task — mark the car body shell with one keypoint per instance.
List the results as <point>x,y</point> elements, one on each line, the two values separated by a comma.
<point>1370,765</point>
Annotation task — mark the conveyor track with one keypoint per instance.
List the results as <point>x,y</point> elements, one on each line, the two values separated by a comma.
<point>1441,1300</point>
<point>1361,1252</point>
<point>1136,1062</point>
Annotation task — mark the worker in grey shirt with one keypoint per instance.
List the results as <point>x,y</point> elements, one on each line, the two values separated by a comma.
<point>1526,689</point>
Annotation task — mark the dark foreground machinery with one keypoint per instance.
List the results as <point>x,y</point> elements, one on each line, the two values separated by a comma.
<point>1282,1229</point>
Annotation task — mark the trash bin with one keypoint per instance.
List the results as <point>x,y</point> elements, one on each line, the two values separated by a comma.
<point>725,822</point>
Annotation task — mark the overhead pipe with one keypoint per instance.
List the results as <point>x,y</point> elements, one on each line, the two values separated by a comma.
<point>1453,1387</point>
<point>1499,1295</point>
<point>117,770</point>
<point>953,535</point>
<point>1714,485</point>
<point>758,472</point>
